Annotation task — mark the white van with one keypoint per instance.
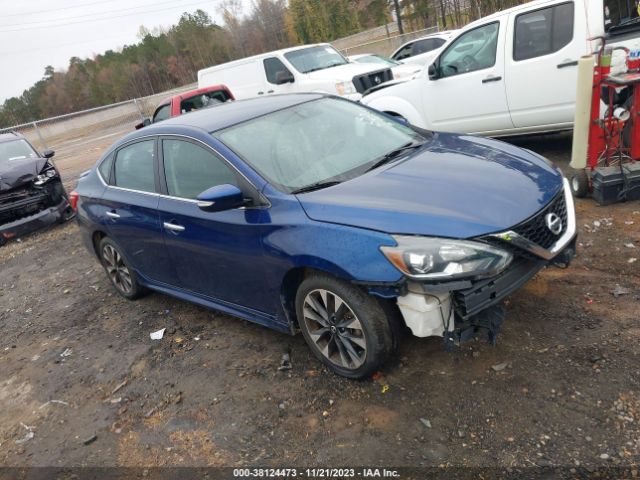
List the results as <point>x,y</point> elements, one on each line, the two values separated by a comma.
<point>309,68</point>
<point>511,73</point>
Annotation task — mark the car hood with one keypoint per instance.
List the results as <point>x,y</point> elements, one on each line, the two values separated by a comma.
<point>344,72</point>
<point>14,173</point>
<point>455,186</point>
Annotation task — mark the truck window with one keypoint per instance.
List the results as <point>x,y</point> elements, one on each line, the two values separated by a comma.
<point>271,68</point>
<point>403,53</point>
<point>203,100</point>
<point>471,51</point>
<point>543,31</point>
<point>426,45</point>
<point>162,113</point>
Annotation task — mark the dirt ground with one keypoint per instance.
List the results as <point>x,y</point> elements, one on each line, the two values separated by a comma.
<point>82,384</point>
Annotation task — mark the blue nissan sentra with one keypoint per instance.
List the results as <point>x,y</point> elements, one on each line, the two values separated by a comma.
<point>310,213</point>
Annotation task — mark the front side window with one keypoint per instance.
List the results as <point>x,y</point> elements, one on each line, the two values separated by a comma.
<point>134,167</point>
<point>274,66</point>
<point>404,52</point>
<point>191,169</point>
<point>319,141</point>
<point>543,31</point>
<point>16,150</point>
<point>311,59</point>
<point>162,113</point>
<point>471,51</point>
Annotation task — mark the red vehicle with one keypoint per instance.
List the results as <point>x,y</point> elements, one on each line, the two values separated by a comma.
<point>188,101</point>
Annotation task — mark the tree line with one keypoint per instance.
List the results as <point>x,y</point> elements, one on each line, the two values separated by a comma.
<point>165,58</point>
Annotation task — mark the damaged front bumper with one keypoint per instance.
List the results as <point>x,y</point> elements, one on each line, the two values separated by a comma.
<point>27,209</point>
<point>458,310</point>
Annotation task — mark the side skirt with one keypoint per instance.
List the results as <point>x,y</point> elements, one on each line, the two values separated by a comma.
<point>248,314</point>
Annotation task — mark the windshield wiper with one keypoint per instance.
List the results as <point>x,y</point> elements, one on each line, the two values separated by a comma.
<point>316,186</point>
<point>393,154</point>
<point>331,65</point>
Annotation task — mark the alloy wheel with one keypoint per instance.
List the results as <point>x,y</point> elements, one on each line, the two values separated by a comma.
<point>116,269</point>
<point>335,329</point>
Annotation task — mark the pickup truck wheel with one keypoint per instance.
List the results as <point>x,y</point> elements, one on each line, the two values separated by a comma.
<point>345,328</point>
<point>580,183</point>
<point>122,277</point>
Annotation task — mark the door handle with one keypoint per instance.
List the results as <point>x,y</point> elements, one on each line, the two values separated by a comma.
<point>260,93</point>
<point>568,63</point>
<point>112,214</point>
<point>173,227</point>
<point>270,91</point>
<point>491,79</point>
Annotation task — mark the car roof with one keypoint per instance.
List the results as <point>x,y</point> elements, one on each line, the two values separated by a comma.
<point>231,113</point>
<point>10,136</point>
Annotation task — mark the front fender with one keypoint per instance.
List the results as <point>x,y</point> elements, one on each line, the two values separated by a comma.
<point>397,106</point>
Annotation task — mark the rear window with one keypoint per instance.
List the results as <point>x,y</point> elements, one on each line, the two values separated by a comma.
<point>203,100</point>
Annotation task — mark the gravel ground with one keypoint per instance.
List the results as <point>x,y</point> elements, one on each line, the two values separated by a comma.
<point>82,384</point>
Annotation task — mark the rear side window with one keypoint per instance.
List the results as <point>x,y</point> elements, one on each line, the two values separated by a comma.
<point>426,45</point>
<point>543,31</point>
<point>105,168</point>
<point>162,113</point>
<point>134,167</point>
<point>271,68</point>
<point>190,169</point>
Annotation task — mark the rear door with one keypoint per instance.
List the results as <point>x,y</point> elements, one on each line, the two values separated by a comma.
<point>469,94</point>
<point>542,54</point>
<point>130,209</point>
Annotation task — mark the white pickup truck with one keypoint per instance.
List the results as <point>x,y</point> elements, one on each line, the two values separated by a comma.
<point>510,73</point>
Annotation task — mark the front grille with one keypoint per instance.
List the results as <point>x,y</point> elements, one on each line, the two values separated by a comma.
<point>371,79</point>
<point>535,229</point>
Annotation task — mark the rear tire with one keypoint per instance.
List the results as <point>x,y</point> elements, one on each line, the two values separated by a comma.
<point>122,276</point>
<point>345,328</point>
<point>580,183</point>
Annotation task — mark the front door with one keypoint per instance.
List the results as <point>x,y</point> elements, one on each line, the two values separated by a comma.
<point>542,62</point>
<point>218,255</point>
<point>469,94</point>
<point>273,69</point>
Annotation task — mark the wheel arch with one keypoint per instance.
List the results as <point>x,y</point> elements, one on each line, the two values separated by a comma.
<point>294,277</point>
<point>96,238</point>
<point>398,107</point>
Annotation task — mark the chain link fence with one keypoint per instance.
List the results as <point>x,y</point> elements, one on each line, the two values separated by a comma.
<point>383,46</point>
<point>109,119</point>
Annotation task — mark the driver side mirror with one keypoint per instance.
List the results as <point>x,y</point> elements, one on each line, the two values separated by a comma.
<point>284,77</point>
<point>145,123</point>
<point>433,72</point>
<point>220,198</point>
<point>48,153</point>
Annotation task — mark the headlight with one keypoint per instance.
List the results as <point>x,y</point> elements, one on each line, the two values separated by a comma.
<point>345,88</point>
<point>427,258</point>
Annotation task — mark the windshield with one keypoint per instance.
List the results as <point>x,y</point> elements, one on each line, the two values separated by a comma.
<point>311,59</point>
<point>376,59</point>
<point>16,150</point>
<point>315,142</point>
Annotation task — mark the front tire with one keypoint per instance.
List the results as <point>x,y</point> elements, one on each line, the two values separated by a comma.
<point>345,328</point>
<point>122,276</point>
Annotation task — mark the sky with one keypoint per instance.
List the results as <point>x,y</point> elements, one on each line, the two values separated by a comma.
<point>37,33</point>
